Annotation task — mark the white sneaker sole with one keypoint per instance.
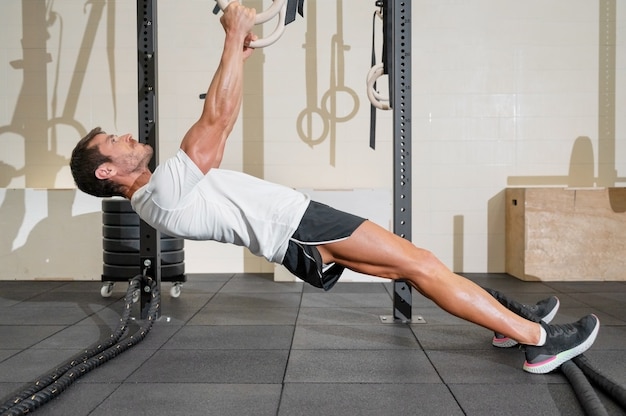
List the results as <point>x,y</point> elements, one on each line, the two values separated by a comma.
<point>554,362</point>
<point>508,342</point>
<point>505,342</point>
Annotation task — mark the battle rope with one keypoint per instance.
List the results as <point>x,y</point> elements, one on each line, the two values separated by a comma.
<point>54,383</point>
<point>586,395</point>
<point>576,369</point>
<point>609,386</point>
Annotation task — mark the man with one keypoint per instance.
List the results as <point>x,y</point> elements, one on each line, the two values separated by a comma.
<point>188,196</point>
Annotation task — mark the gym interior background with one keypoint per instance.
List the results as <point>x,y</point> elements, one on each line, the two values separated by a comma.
<point>504,94</point>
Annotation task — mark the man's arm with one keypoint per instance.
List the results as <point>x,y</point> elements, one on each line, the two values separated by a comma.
<point>204,142</point>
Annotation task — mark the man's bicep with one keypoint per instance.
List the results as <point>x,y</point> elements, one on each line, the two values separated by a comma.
<point>204,145</point>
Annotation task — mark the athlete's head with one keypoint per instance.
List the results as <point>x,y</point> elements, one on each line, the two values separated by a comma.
<point>100,162</point>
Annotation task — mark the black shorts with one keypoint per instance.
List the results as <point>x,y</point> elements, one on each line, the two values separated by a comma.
<point>320,224</point>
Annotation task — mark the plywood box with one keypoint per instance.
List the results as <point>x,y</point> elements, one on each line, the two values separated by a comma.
<point>566,234</point>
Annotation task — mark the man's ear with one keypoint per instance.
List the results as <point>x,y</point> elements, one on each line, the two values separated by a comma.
<point>105,171</point>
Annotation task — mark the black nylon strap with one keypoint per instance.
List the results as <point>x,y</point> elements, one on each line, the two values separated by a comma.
<point>388,46</point>
<point>292,7</point>
<point>372,108</point>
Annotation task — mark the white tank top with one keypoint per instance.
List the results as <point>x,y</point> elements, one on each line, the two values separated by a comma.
<point>226,206</point>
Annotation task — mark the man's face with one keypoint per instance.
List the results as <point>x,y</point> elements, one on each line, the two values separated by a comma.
<point>125,152</point>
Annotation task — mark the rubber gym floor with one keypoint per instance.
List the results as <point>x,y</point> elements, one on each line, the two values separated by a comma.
<point>242,344</point>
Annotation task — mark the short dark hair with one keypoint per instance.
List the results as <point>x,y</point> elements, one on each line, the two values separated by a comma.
<point>83,164</point>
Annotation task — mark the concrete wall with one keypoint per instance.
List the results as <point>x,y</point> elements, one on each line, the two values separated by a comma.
<point>505,94</point>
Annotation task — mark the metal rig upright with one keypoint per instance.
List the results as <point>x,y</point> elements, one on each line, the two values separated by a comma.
<point>150,239</point>
<point>400,102</point>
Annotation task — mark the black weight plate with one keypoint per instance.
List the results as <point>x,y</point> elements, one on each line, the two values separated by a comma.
<point>126,232</point>
<point>116,205</point>
<point>110,272</point>
<point>120,218</point>
<point>175,278</point>
<point>132,245</point>
<point>119,272</point>
<point>120,259</point>
<point>123,233</point>
<point>117,245</point>
<point>132,259</point>
<point>172,257</point>
<point>169,237</point>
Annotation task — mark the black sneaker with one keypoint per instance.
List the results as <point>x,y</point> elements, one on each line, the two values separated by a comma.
<point>563,343</point>
<point>545,310</point>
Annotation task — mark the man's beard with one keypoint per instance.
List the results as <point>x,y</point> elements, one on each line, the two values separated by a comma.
<point>148,153</point>
<point>148,156</point>
<point>138,163</point>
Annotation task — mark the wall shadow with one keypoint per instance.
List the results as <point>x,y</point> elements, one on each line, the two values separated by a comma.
<point>43,239</point>
<point>339,103</point>
<point>496,221</point>
<point>37,118</point>
<point>458,248</point>
<point>253,120</point>
<point>582,161</point>
<point>37,121</point>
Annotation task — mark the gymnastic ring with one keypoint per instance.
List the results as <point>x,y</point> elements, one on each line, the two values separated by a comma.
<point>278,7</point>
<point>374,96</point>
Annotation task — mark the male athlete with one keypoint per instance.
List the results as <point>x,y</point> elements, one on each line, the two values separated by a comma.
<point>189,196</point>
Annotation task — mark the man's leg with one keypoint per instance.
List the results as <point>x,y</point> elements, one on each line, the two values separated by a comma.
<point>373,250</point>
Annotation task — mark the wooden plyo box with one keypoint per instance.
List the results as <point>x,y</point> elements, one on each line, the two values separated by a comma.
<point>566,234</point>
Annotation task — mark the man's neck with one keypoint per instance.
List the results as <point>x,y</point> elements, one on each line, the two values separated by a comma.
<point>140,181</point>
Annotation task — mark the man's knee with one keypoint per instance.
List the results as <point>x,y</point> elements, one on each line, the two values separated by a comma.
<point>425,265</point>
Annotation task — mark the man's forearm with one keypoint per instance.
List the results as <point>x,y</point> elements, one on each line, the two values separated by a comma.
<point>204,142</point>
<point>224,96</point>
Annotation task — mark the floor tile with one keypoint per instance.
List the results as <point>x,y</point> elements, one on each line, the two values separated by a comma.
<point>239,343</point>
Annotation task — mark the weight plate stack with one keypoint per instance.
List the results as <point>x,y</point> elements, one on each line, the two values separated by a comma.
<point>121,244</point>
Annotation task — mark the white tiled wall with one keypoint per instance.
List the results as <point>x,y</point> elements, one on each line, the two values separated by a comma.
<point>502,92</point>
